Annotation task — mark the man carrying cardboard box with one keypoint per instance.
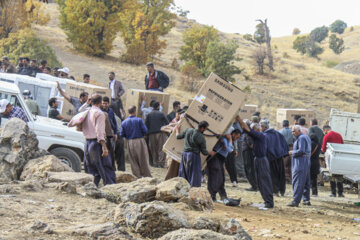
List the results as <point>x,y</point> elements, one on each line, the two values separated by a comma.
<point>190,164</point>
<point>76,102</point>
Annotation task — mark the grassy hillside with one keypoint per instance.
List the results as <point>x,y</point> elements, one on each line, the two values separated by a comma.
<point>298,82</point>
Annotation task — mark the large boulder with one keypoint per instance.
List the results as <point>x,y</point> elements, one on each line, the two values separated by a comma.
<point>17,146</point>
<point>172,189</point>
<point>186,234</point>
<point>69,177</point>
<point>199,199</point>
<point>100,231</point>
<point>124,177</point>
<point>233,227</point>
<point>37,168</point>
<point>150,219</point>
<point>139,191</point>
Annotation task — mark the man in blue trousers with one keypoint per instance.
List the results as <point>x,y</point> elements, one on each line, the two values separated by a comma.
<point>300,167</point>
<point>262,168</point>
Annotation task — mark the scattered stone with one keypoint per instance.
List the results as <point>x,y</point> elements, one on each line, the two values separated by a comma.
<point>72,177</point>
<point>199,199</point>
<point>233,227</point>
<point>150,219</point>
<point>68,187</point>
<point>32,186</point>
<point>124,177</point>
<point>7,188</point>
<point>37,168</point>
<point>172,189</point>
<point>100,231</point>
<point>185,234</point>
<point>17,146</point>
<point>36,226</point>
<point>139,191</point>
<point>92,190</point>
<point>206,223</point>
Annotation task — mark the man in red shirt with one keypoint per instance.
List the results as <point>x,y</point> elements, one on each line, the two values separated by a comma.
<point>333,137</point>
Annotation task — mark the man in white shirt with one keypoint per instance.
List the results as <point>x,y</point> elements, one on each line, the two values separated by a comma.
<point>117,90</point>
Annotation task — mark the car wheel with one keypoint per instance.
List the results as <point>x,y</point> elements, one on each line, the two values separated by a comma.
<point>69,157</point>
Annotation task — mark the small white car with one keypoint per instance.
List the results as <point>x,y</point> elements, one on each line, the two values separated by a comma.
<point>64,142</point>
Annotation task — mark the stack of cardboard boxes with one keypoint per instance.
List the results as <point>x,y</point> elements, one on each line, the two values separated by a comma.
<point>289,114</point>
<point>217,102</point>
<point>248,110</point>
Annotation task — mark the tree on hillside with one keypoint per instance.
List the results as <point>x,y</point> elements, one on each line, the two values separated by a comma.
<point>268,44</point>
<point>91,25</point>
<point>25,43</point>
<point>336,44</point>
<point>296,31</point>
<point>196,40</point>
<point>220,59</point>
<point>259,34</point>
<point>319,34</point>
<point>259,56</point>
<point>190,77</point>
<point>142,27</point>
<point>248,37</point>
<point>338,26</point>
<point>13,17</point>
<point>306,45</point>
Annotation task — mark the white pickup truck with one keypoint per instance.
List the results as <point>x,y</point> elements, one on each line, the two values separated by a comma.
<point>64,142</point>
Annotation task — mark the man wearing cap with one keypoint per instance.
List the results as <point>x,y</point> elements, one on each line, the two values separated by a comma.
<point>155,80</point>
<point>117,90</point>
<point>76,102</point>
<point>286,132</point>
<point>31,104</point>
<point>25,68</point>
<point>10,111</point>
<point>7,67</point>
<point>64,72</point>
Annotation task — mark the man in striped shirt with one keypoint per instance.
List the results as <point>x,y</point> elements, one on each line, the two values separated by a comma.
<point>10,111</point>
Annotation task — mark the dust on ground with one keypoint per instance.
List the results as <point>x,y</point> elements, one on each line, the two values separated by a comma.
<point>327,218</point>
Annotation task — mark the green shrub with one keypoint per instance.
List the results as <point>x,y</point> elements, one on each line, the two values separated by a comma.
<point>331,63</point>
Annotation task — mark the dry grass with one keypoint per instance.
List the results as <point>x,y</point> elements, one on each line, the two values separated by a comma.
<point>298,82</point>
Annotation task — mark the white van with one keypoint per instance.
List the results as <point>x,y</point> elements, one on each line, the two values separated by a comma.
<point>65,143</point>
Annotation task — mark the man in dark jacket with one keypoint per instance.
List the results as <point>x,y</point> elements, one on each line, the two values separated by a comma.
<point>314,164</point>
<point>154,121</point>
<point>117,90</point>
<point>318,132</point>
<point>276,150</point>
<point>155,80</point>
<point>25,68</point>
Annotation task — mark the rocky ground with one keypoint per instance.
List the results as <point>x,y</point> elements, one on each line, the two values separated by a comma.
<point>42,198</point>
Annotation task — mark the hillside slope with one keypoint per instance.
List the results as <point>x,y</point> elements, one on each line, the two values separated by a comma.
<point>298,82</point>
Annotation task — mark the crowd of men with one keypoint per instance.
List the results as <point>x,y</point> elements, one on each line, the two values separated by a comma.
<point>270,158</point>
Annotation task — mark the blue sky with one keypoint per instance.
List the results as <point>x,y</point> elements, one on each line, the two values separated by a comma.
<point>238,16</point>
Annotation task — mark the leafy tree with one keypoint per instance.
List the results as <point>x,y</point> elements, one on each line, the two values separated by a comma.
<point>13,17</point>
<point>338,26</point>
<point>25,43</point>
<point>196,40</point>
<point>190,77</point>
<point>91,25</point>
<point>36,13</point>
<point>259,56</point>
<point>319,34</point>
<point>296,31</point>
<point>306,45</point>
<point>248,37</point>
<point>220,58</point>
<point>336,44</point>
<point>142,26</point>
<point>259,34</point>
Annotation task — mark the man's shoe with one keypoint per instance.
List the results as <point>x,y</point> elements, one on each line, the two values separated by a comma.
<point>293,204</point>
<point>306,203</point>
<point>277,194</point>
<point>341,195</point>
<point>234,184</point>
<point>314,195</point>
<point>332,195</point>
<point>251,189</point>
<point>268,205</point>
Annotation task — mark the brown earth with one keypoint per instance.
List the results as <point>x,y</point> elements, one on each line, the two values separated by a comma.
<point>325,219</point>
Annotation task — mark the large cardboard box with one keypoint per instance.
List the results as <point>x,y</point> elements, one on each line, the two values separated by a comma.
<point>134,97</point>
<point>288,114</point>
<point>217,102</point>
<point>247,111</point>
<point>74,89</point>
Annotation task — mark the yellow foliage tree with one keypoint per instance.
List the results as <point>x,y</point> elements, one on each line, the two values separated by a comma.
<point>13,17</point>
<point>142,27</point>
<point>91,25</point>
<point>36,12</point>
